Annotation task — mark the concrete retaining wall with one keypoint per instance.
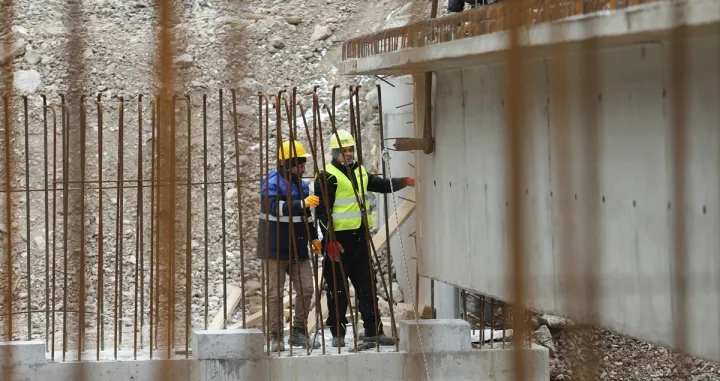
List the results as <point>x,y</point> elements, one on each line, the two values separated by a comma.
<point>237,355</point>
<point>627,209</point>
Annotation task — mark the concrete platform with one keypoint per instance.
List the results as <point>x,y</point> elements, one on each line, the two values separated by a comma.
<point>220,359</point>
<point>622,27</point>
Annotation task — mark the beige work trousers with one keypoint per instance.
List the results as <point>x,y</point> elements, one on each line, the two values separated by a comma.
<point>275,292</point>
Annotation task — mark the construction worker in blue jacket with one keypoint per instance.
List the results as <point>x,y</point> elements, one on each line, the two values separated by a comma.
<point>277,213</point>
<point>350,238</point>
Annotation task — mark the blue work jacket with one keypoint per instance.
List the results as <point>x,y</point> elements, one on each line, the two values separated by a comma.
<point>274,238</point>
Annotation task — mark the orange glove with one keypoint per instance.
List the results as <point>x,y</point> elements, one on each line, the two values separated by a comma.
<point>312,201</point>
<point>334,249</point>
<point>409,181</point>
<point>316,246</point>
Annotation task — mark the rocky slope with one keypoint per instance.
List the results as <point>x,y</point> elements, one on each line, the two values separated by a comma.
<point>255,46</point>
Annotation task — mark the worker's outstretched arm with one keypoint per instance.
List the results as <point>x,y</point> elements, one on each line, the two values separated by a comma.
<point>271,194</point>
<point>380,184</point>
<point>321,213</point>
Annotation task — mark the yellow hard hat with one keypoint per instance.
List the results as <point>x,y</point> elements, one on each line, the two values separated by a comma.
<point>346,140</point>
<point>285,153</point>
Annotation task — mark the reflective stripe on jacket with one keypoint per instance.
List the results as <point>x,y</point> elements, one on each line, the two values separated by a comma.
<point>274,221</point>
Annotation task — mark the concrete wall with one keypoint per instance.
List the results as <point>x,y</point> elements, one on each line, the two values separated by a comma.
<point>397,107</point>
<point>237,355</point>
<point>464,230</point>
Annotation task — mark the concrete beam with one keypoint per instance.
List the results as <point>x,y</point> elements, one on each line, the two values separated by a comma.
<point>644,23</point>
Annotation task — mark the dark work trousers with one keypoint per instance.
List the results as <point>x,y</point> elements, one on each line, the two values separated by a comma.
<point>356,264</point>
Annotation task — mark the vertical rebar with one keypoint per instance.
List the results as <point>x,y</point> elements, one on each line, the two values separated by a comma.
<point>139,235</point>
<point>679,52</point>
<point>81,269</point>
<point>101,239</point>
<point>54,238</point>
<point>66,180</point>
<point>386,209</point>
<point>317,129</point>
<point>515,114</point>
<point>166,157</point>
<point>266,262</point>
<point>236,134</point>
<point>222,207</point>
<point>188,229</point>
<point>8,368</point>
<point>47,222</point>
<point>205,205</point>
<point>120,212</point>
<point>28,240</point>
<point>153,224</point>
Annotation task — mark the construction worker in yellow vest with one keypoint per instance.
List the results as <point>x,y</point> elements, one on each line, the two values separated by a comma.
<point>344,176</point>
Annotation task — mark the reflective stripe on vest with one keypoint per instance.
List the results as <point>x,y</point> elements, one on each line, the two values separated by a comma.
<point>346,212</point>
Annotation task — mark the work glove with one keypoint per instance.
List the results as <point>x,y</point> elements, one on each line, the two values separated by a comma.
<point>408,181</point>
<point>333,250</point>
<point>311,201</point>
<point>316,246</point>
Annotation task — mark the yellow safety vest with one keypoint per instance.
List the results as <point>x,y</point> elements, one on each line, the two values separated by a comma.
<point>346,211</point>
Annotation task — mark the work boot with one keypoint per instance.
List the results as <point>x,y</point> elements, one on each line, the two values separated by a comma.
<point>299,339</point>
<point>384,340</point>
<point>275,343</point>
<point>338,341</point>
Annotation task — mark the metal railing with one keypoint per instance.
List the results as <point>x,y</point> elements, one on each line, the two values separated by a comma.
<point>475,22</point>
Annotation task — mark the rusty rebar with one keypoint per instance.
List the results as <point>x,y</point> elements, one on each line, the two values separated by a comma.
<point>205,204</point>
<point>153,225</point>
<point>515,116</point>
<point>28,269</point>
<point>236,135</point>
<point>331,115</point>
<point>54,229</point>
<point>313,257</point>
<point>330,228</point>
<point>100,268</point>
<point>317,130</point>
<point>188,228</point>
<point>386,210</point>
<point>119,211</point>
<point>8,15</point>
<point>305,215</point>
<point>679,118</point>
<point>46,214</point>
<point>139,234</point>
<point>222,206</point>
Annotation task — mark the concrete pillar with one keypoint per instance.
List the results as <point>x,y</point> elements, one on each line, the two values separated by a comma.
<point>441,335</point>
<point>446,353</point>
<point>231,354</point>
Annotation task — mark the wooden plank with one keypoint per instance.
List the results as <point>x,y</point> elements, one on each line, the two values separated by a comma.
<point>311,317</point>
<point>256,318</point>
<point>404,211</point>
<point>233,299</point>
<point>295,20</point>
